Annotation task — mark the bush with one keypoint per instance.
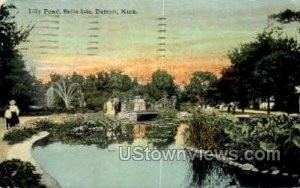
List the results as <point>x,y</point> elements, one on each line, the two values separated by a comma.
<point>16,173</point>
<point>19,135</point>
<point>271,133</point>
<point>188,107</point>
<point>205,130</point>
<point>168,114</point>
<point>80,129</point>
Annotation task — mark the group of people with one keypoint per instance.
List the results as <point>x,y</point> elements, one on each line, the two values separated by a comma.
<point>11,115</point>
<point>112,106</point>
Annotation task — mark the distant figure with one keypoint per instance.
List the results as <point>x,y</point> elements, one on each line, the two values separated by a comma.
<point>7,116</point>
<point>117,105</point>
<point>13,108</point>
<point>231,108</point>
<point>110,107</point>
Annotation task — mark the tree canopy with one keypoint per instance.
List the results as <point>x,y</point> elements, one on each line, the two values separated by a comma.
<point>15,81</point>
<point>263,68</point>
<point>200,86</point>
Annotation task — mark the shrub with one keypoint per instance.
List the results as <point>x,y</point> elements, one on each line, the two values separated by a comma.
<point>168,114</point>
<point>205,130</point>
<point>188,107</point>
<point>16,173</point>
<point>19,135</point>
<point>271,133</point>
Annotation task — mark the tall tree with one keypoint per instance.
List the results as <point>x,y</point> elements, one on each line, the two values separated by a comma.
<point>268,66</point>
<point>162,84</point>
<point>201,84</point>
<point>15,81</point>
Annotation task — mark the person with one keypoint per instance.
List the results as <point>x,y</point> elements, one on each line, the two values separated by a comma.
<point>109,107</point>
<point>13,108</point>
<point>7,116</point>
<point>231,108</point>
<point>117,106</point>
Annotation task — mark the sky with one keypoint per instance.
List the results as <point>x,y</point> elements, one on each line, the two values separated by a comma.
<point>196,34</point>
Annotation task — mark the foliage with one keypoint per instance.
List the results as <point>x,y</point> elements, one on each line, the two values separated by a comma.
<point>280,133</point>
<point>275,132</point>
<point>98,88</point>
<point>25,89</point>
<point>188,107</point>
<point>19,135</point>
<point>120,82</point>
<point>168,114</point>
<point>263,68</point>
<point>205,130</point>
<point>162,84</point>
<point>16,173</point>
<point>83,129</point>
<point>161,133</point>
<point>201,86</point>
<point>286,16</point>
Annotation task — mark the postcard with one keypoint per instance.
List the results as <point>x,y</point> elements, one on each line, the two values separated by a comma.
<point>149,93</point>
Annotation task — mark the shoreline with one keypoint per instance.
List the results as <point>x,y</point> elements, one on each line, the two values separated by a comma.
<point>22,151</point>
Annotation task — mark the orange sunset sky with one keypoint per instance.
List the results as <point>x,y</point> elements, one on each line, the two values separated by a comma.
<point>193,35</point>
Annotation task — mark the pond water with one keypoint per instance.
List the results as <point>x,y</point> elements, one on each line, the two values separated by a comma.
<point>91,166</point>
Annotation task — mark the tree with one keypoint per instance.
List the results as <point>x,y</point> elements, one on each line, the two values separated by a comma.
<point>15,81</point>
<point>266,67</point>
<point>201,84</point>
<point>120,82</point>
<point>228,85</point>
<point>286,16</point>
<point>162,84</point>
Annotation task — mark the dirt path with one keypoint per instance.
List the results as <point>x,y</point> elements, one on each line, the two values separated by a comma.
<point>4,146</point>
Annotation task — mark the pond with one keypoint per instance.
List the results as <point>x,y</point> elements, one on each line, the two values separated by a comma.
<point>92,166</point>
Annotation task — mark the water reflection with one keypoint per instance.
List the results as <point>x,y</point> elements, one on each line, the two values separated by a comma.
<point>211,174</point>
<point>91,166</point>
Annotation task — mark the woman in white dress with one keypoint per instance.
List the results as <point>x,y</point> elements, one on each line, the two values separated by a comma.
<point>13,108</point>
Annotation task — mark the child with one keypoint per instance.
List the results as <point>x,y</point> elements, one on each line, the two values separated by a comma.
<point>14,113</point>
<point>7,116</point>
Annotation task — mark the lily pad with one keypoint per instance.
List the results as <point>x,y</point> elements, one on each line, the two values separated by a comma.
<point>282,131</point>
<point>267,146</point>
